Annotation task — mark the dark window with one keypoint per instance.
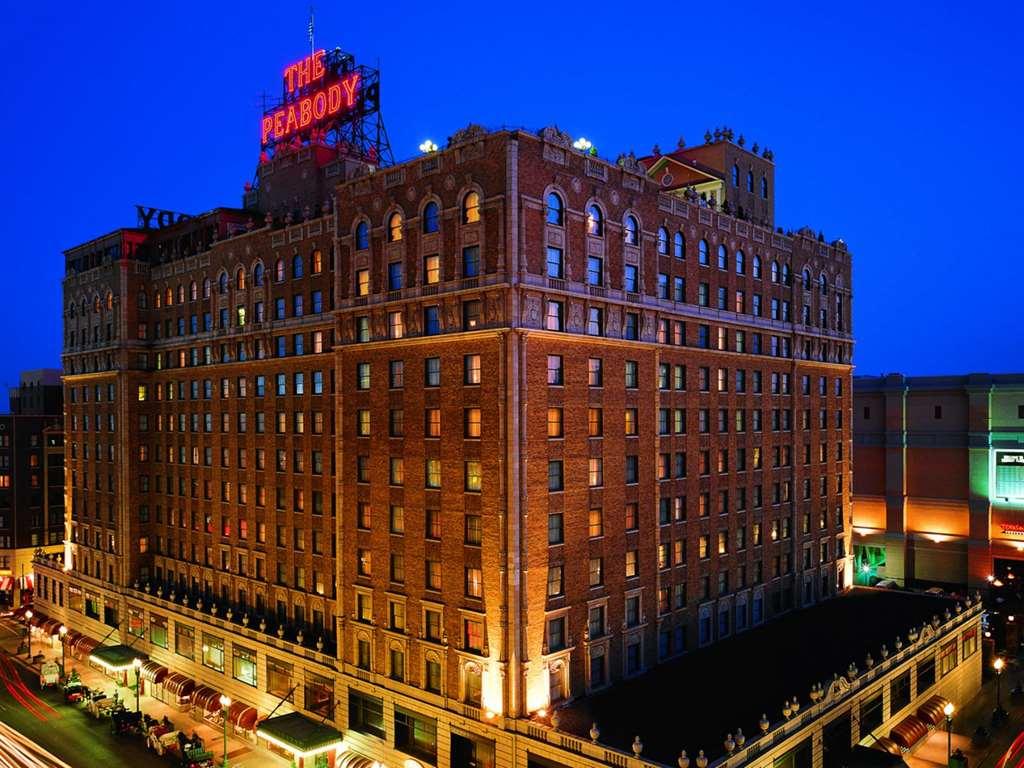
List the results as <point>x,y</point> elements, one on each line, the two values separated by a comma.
<point>870,715</point>
<point>925,674</point>
<point>416,735</point>
<point>938,411</point>
<point>366,714</point>
<point>836,741</point>
<point>899,692</point>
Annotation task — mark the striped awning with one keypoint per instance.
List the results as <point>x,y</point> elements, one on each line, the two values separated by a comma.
<point>51,627</point>
<point>888,745</point>
<point>909,731</point>
<point>153,672</point>
<point>71,637</point>
<point>206,698</point>
<point>84,644</point>
<point>931,711</point>
<point>354,760</point>
<point>241,715</point>
<point>179,685</point>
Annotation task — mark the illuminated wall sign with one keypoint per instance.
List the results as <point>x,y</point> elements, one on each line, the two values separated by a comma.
<point>1016,529</point>
<point>312,95</point>
<point>147,217</point>
<point>1009,474</point>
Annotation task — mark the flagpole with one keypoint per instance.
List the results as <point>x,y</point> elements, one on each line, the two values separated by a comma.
<point>312,48</point>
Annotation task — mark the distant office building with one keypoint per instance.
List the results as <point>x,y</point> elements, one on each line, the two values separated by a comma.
<point>31,478</point>
<point>939,477</point>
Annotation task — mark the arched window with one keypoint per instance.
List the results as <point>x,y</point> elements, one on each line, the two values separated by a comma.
<point>775,271</point>
<point>257,274</point>
<point>142,300</point>
<point>723,257</point>
<point>741,263</point>
<point>181,294</point>
<point>316,262</point>
<point>279,270</point>
<point>394,227</point>
<point>222,282</point>
<point>755,267</point>
<point>431,221</point>
<point>663,241</point>
<point>169,297</point>
<point>595,221</point>
<point>735,175</point>
<point>702,252</point>
<point>206,289</point>
<point>296,266</point>
<point>787,279</point>
<point>362,236</point>
<point>632,231</point>
<point>823,284</point>
<point>805,276</point>
<point>83,305</point>
<point>471,208</point>
<point>110,299</point>
<point>679,245</point>
<point>764,187</point>
<point>96,304</point>
<point>193,291</point>
<point>556,209</point>
<point>750,182</point>
<point>240,279</point>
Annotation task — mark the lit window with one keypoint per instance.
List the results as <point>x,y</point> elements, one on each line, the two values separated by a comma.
<point>595,221</point>
<point>394,227</point>
<point>632,231</point>
<point>471,208</point>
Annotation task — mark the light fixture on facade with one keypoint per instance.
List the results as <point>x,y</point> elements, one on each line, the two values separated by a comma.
<point>427,147</point>
<point>583,144</point>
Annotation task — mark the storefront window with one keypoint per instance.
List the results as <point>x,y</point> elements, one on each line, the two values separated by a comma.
<point>92,605</point>
<point>244,665</point>
<point>279,679</point>
<point>365,714</point>
<point>416,735</point>
<point>75,598</point>
<point>158,630</point>
<point>184,640</point>
<point>213,652</point>
<point>136,626</point>
<point>318,694</point>
<point>947,658</point>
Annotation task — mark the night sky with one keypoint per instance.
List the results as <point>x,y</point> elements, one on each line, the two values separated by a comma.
<point>895,126</point>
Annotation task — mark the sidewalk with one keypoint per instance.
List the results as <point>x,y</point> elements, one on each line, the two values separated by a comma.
<point>241,753</point>
<point>972,714</point>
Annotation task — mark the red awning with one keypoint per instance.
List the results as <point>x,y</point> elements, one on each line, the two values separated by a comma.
<point>888,745</point>
<point>84,645</point>
<point>242,715</point>
<point>931,711</point>
<point>37,619</point>
<point>51,627</point>
<point>153,672</point>
<point>71,637</point>
<point>206,698</point>
<point>178,685</point>
<point>909,731</point>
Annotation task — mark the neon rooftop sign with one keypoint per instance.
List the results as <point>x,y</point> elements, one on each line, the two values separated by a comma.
<point>312,96</point>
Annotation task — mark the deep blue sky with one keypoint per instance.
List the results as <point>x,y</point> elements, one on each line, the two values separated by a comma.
<point>896,127</point>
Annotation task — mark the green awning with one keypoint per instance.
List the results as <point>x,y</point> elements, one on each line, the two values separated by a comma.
<point>116,658</point>
<point>299,735</point>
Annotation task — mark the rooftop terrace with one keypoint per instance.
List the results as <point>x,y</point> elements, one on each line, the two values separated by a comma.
<point>693,702</point>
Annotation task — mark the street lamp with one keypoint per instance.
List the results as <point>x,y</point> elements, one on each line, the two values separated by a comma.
<point>63,649</point>
<point>137,663</point>
<point>28,631</point>
<point>998,665</point>
<point>948,712</point>
<point>225,702</point>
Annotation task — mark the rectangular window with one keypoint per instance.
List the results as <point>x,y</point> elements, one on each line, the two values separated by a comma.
<point>416,735</point>
<point>366,714</point>
<point>243,664</point>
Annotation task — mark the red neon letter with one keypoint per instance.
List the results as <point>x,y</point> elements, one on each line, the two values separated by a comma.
<point>292,121</point>
<point>305,112</point>
<point>268,127</point>
<point>279,124</point>
<point>350,84</point>
<point>319,105</point>
<point>303,68</point>
<point>333,98</point>
<point>289,78</point>
<point>318,64</point>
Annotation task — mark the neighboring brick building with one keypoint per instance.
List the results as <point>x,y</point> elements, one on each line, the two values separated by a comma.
<point>31,480</point>
<point>939,487</point>
<point>504,425</point>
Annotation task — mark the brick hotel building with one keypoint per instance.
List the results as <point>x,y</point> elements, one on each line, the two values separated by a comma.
<point>426,449</point>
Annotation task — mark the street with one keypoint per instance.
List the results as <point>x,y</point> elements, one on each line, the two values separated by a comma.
<point>68,733</point>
